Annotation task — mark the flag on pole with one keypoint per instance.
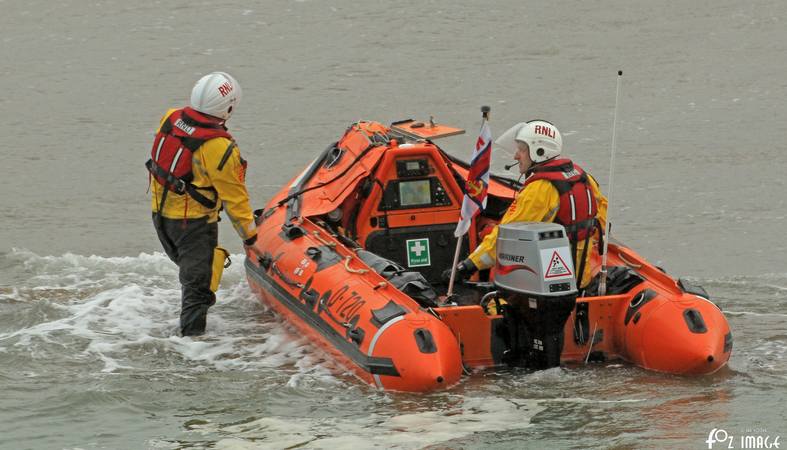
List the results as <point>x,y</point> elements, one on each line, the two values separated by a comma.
<point>477,182</point>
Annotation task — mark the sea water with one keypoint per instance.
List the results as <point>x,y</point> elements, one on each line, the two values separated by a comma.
<point>89,351</point>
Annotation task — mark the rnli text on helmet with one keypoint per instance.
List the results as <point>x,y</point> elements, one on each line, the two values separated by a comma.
<point>546,131</point>
<point>225,89</point>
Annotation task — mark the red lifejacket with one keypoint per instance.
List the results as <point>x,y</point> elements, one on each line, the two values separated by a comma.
<point>578,206</point>
<point>180,136</point>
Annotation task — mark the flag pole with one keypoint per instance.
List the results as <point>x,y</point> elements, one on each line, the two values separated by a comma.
<point>453,267</point>
<point>484,117</point>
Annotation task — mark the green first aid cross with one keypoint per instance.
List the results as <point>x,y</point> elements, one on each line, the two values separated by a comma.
<point>418,252</point>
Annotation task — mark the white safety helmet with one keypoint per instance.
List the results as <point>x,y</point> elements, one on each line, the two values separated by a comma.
<point>216,94</point>
<point>542,138</point>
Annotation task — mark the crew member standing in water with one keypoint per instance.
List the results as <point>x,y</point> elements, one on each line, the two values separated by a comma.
<point>555,190</point>
<point>196,169</point>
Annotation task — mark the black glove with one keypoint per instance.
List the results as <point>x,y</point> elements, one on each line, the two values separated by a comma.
<point>463,271</point>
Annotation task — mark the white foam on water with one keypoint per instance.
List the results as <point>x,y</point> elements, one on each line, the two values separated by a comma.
<point>56,267</point>
<point>594,401</point>
<point>777,287</point>
<point>10,293</point>
<point>465,416</point>
<point>122,313</point>
<point>770,359</point>
<point>748,280</point>
<point>750,313</point>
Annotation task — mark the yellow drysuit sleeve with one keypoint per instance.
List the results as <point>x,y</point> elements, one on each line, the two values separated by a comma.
<point>230,182</point>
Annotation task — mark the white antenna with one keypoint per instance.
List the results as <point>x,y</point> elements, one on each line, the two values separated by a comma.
<point>602,283</point>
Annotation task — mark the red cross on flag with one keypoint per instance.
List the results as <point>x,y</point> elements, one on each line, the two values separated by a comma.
<point>477,182</point>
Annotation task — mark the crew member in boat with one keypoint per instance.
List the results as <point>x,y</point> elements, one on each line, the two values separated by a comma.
<point>555,190</point>
<point>195,170</point>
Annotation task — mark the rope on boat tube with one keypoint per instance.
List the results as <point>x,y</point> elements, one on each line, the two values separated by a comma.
<point>464,368</point>
<point>351,270</point>
<point>629,263</point>
<point>592,342</point>
<point>321,239</point>
<point>284,278</point>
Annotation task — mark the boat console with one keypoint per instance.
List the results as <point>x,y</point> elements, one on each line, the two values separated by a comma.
<point>414,191</point>
<point>412,210</point>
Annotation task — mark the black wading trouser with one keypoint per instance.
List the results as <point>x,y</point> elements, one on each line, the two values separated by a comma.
<point>189,243</point>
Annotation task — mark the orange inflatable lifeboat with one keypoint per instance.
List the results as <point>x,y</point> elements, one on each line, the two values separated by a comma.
<point>352,250</point>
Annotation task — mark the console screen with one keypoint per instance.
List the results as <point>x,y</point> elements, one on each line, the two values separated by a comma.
<point>415,192</point>
<point>412,165</point>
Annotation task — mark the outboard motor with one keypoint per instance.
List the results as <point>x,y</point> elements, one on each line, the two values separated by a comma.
<point>535,275</point>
